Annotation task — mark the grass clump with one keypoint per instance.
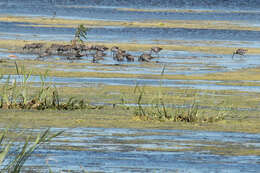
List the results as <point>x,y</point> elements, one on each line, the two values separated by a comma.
<point>22,154</point>
<point>157,109</point>
<point>17,95</point>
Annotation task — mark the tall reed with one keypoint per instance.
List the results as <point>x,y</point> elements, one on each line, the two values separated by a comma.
<point>17,95</point>
<point>15,164</point>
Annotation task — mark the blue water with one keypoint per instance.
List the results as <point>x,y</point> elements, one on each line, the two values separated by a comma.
<point>94,9</point>
<point>91,81</point>
<point>107,150</point>
<point>210,4</point>
<point>121,34</point>
<point>116,150</point>
<point>109,10</point>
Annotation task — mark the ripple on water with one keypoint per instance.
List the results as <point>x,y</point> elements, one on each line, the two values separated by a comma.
<point>128,34</point>
<point>220,10</point>
<point>119,150</point>
<point>86,82</point>
<point>176,62</point>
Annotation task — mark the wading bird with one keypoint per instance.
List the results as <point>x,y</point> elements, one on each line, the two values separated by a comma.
<point>156,50</point>
<point>113,50</point>
<point>96,58</point>
<point>33,46</point>
<point>99,48</point>
<point>119,56</point>
<point>239,51</point>
<point>129,57</point>
<point>145,57</point>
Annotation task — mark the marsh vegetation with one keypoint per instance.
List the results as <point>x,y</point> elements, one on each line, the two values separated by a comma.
<point>130,82</point>
<point>16,95</point>
<point>13,157</point>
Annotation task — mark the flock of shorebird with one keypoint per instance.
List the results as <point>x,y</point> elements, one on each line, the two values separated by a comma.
<point>97,52</point>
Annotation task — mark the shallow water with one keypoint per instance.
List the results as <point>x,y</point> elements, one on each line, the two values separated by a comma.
<point>175,62</point>
<point>128,35</point>
<point>129,150</point>
<point>90,81</point>
<point>101,10</point>
<point>109,10</point>
<point>136,150</point>
<point>232,4</point>
<point>178,62</point>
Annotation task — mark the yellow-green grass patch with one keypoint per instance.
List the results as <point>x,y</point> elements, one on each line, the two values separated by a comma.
<point>192,24</point>
<point>114,118</point>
